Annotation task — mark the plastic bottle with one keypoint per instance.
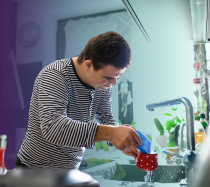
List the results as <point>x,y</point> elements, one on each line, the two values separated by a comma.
<point>198,128</point>
<point>197,125</point>
<point>199,144</point>
<point>203,121</point>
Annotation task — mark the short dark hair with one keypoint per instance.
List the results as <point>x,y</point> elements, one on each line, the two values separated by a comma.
<point>108,48</point>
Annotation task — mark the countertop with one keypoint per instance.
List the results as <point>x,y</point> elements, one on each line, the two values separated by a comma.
<point>113,183</point>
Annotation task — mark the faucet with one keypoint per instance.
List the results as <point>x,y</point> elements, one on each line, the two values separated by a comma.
<point>189,157</point>
<point>189,117</point>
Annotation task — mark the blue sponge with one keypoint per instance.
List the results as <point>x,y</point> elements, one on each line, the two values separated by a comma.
<point>146,143</point>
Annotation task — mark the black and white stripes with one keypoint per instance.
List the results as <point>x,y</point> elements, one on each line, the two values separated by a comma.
<point>61,116</point>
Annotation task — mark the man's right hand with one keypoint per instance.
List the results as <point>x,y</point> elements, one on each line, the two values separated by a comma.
<point>124,138</point>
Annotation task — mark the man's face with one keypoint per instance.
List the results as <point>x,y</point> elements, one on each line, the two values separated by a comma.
<point>105,77</point>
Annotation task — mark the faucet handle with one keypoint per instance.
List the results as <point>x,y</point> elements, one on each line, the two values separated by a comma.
<point>189,158</point>
<point>176,160</point>
<point>172,153</point>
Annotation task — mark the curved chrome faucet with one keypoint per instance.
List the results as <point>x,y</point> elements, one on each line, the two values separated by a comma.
<point>189,157</point>
<point>189,117</point>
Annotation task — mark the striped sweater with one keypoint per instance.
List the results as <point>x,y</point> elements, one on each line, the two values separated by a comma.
<point>61,116</point>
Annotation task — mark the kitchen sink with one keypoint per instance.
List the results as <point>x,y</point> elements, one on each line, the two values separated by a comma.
<point>162,174</point>
<point>167,173</point>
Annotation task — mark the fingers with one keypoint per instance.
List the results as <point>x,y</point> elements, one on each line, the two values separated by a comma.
<point>135,151</point>
<point>134,144</point>
<point>131,154</point>
<point>137,138</point>
<point>136,154</point>
<point>127,125</point>
<point>133,128</point>
<point>131,147</point>
<point>126,138</point>
<point>127,145</point>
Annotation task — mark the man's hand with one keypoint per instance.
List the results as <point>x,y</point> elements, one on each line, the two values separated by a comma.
<point>124,138</point>
<point>131,153</point>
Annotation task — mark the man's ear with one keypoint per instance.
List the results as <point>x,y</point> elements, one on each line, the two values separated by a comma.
<point>88,64</point>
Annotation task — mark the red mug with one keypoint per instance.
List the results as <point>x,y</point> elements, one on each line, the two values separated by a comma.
<point>147,162</point>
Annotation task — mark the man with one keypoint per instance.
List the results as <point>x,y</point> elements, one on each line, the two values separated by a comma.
<point>67,95</point>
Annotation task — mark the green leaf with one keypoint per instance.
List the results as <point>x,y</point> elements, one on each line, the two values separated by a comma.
<point>178,120</point>
<point>98,146</point>
<point>104,146</point>
<point>159,126</point>
<point>174,109</point>
<point>172,123</point>
<point>119,121</point>
<point>169,124</point>
<point>133,124</point>
<point>167,114</point>
<point>171,144</point>
<point>92,162</point>
<point>204,124</point>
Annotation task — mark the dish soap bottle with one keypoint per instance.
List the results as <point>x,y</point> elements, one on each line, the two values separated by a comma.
<point>203,121</point>
<point>198,128</point>
<point>199,144</point>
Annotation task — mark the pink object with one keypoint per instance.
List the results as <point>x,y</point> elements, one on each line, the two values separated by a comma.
<point>147,162</point>
<point>196,81</point>
<point>196,66</point>
<point>3,140</point>
<point>2,151</point>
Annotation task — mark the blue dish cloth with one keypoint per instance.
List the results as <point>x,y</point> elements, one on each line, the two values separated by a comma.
<point>146,143</point>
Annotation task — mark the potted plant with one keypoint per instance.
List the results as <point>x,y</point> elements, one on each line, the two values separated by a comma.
<point>161,139</point>
<point>170,127</point>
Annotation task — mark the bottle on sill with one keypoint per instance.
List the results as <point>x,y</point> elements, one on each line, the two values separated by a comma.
<point>198,128</point>
<point>199,144</point>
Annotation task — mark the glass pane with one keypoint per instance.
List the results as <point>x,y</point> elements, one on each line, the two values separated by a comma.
<point>199,20</point>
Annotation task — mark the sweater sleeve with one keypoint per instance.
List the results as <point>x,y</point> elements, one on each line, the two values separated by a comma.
<point>56,126</point>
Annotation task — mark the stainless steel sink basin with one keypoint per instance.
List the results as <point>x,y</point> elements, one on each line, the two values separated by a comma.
<point>168,173</point>
<point>162,174</point>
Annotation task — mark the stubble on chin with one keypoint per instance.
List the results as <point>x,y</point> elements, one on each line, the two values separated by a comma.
<point>102,88</point>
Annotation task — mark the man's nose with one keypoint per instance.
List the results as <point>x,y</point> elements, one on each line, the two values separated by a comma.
<point>113,82</point>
